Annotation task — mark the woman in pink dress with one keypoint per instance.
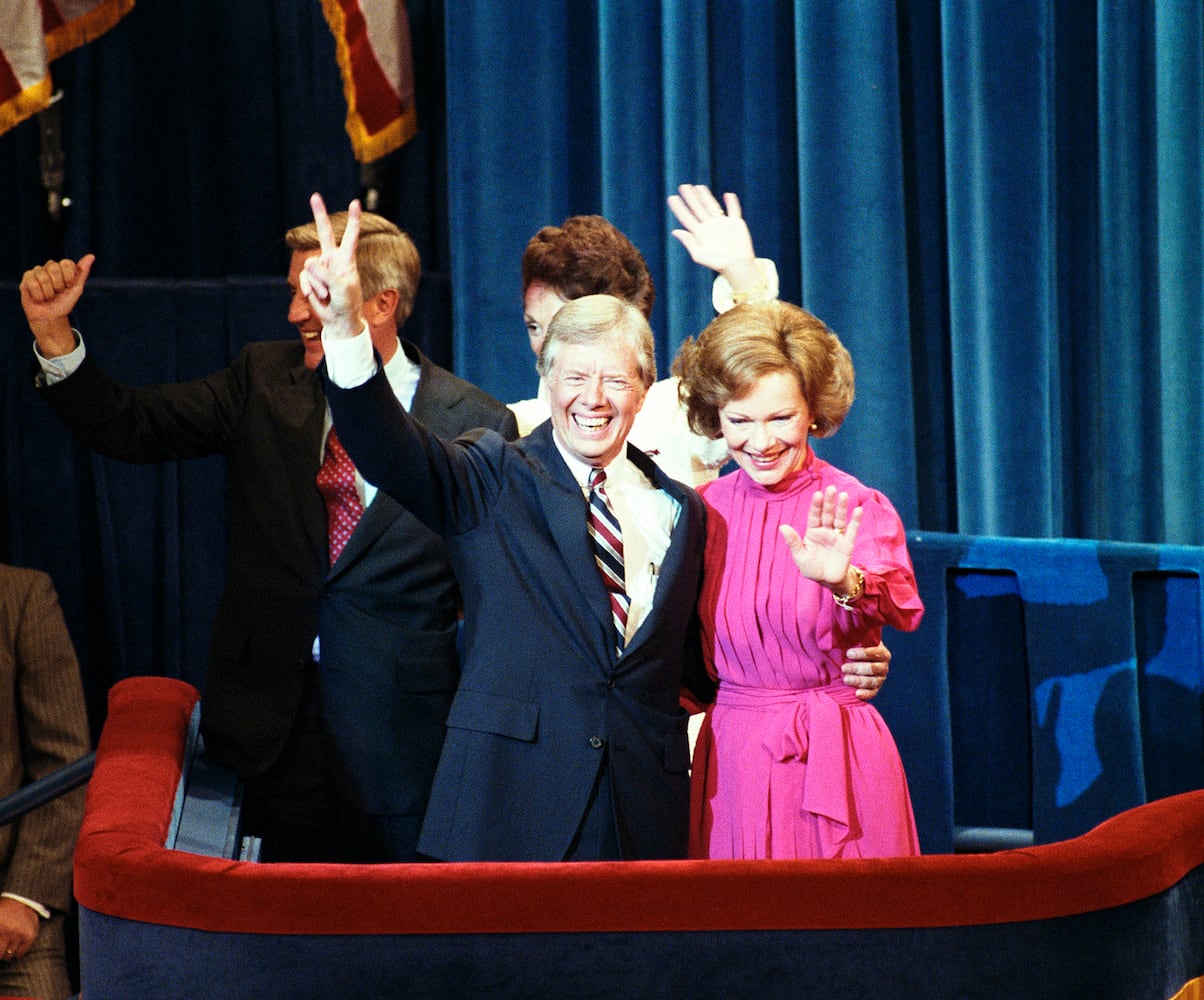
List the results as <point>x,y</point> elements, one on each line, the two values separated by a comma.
<point>802,562</point>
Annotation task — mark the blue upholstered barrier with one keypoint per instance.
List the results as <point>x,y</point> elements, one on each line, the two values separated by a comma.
<point>1052,684</point>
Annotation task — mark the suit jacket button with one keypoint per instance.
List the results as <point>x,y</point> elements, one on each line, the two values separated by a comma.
<point>595,742</point>
<point>610,682</point>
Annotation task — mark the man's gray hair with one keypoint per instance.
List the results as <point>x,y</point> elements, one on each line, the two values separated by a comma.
<point>600,319</point>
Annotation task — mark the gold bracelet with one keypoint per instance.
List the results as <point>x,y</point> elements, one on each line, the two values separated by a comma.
<point>846,600</point>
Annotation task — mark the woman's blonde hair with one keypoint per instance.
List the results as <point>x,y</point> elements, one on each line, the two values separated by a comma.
<point>750,341</point>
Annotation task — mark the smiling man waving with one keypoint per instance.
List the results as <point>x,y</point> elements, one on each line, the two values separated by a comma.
<point>579,561</point>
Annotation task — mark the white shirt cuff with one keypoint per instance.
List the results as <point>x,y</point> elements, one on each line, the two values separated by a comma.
<point>37,908</point>
<point>721,291</point>
<point>65,365</point>
<point>349,360</point>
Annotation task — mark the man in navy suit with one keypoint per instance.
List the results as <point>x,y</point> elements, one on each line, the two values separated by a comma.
<point>566,738</point>
<point>329,681</point>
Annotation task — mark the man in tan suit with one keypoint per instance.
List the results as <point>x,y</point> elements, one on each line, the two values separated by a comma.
<point>43,726</point>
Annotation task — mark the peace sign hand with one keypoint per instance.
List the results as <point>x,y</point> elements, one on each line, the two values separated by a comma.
<point>330,280</point>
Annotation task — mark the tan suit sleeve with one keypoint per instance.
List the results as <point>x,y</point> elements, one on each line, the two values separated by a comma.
<point>43,726</point>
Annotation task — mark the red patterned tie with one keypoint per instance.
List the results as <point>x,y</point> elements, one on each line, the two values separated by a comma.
<point>336,482</point>
<point>608,550</point>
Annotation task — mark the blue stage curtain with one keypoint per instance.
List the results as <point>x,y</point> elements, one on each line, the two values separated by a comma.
<point>997,206</point>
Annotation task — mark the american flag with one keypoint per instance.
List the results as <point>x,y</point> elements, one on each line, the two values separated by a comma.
<point>33,33</point>
<point>372,42</point>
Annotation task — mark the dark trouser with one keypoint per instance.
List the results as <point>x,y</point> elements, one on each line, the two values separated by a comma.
<point>598,837</point>
<point>292,806</point>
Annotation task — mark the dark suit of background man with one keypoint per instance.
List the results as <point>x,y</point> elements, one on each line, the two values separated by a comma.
<point>559,745</point>
<point>336,740</point>
<point>43,726</point>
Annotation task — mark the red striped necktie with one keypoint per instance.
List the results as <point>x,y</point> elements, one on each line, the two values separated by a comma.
<point>336,483</point>
<point>607,538</point>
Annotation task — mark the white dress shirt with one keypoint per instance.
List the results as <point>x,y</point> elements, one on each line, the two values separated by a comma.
<point>646,517</point>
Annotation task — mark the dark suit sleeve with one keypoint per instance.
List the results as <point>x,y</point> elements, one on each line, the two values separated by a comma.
<point>507,426</point>
<point>450,486</point>
<point>698,684</point>
<point>696,680</point>
<point>55,729</point>
<point>153,423</point>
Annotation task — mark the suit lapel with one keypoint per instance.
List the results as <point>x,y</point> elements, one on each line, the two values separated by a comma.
<point>302,408</point>
<point>382,512</point>
<point>436,396</point>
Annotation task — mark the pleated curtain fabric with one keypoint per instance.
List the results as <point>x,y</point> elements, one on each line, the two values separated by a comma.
<point>997,206</point>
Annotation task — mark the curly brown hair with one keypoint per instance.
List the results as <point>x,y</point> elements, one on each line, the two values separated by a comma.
<point>586,255</point>
<point>743,344</point>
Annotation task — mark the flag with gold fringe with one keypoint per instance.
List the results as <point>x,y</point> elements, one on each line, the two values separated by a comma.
<point>372,43</point>
<point>33,33</point>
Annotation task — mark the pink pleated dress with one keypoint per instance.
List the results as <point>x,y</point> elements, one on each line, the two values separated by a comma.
<point>789,762</point>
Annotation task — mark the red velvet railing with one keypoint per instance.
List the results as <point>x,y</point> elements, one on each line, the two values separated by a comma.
<point>123,870</point>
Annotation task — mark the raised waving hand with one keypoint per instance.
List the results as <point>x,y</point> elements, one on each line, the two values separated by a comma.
<point>824,552</point>
<point>714,238</point>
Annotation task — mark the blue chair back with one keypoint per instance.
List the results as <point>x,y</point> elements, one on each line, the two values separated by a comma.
<point>1051,685</point>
